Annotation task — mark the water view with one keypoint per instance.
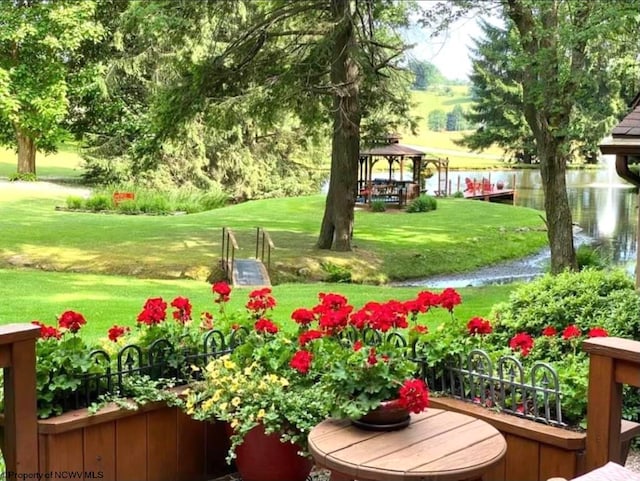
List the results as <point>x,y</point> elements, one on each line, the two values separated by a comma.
<point>603,207</point>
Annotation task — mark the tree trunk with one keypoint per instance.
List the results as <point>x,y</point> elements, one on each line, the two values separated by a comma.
<point>26,153</point>
<point>337,223</point>
<point>556,205</point>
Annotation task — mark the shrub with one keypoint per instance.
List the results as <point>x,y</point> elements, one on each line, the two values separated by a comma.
<point>424,203</point>
<point>588,298</point>
<point>98,202</point>
<point>458,195</point>
<point>75,202</point>
<point>378,206</point>
<point>589,256</point>
<point>336,273</point>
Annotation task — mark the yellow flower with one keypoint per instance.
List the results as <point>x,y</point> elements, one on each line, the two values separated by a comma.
<point>216,395</point>
<point>261,414</point>
<point>236,401</point>
<point>284,382</point>
<point>223,406</point>
<point>248,370</point>
<point>208,404</point>
<point>229,364</point>
<point>234,423</point>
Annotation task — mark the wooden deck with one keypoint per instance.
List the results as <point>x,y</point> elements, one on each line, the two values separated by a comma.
<point>504,196</point>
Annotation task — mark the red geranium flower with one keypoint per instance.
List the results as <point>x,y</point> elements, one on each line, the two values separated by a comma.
<point>223,290</point>
<point>522,342</point>
<point>260,301</point>
<point>310,335</point>
<point>597,332</point>
<point>414,395</point>
<point>153,312</point>
<point>420,329</point>
<point>549,331</point>
<point>478,325</point>
<point>357,345</point>
<point>303,316</point>
<point>183,309</point>
<point>570,332</point>
<point>116,332</point>
<point>301,361</point>
<point>426,300</point>
<point>263,325</point>
<point>449,298</point>
<point>372,359</point>
<point>47,332</point>
<point>71,320</point>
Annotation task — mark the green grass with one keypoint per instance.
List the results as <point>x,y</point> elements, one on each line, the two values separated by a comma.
<point>65,164</point>
<point>390,245</point>
<point>27,294</point>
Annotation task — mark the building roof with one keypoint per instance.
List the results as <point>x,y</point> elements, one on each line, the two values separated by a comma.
<point>629,126</point>
<point>393,149</point>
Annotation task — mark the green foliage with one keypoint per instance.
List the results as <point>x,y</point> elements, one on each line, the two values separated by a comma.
<point>75,202</point>
<point>23,176</point>
<point>378,205</point>
<point>424,203</point>
<point>336,273</point>
<point>458,195</point>
<point>425,74</point>
<point>437,120</point>
<point>456,120</point>
<point>590,257</point>
<point>98,202</point>
<point>151,201</point>
<point>37,42</point>
<point>587,299</point>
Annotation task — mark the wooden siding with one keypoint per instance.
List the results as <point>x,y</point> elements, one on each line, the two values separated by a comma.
<point>156,443</point>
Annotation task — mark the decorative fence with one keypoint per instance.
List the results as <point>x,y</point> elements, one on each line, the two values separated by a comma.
<point>163,360</point>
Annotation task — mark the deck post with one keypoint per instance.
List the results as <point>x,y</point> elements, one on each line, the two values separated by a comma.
<point>18,358</point>
<point>613,362</point>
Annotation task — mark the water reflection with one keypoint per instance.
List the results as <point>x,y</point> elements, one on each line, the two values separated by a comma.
<point>602,204</point>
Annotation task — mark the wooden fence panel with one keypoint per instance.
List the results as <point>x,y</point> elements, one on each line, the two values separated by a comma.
<point>523,459</point>
<point>131,449</point>
<point>191,448</point>
<point>162,445</point>
<point>100,449</point>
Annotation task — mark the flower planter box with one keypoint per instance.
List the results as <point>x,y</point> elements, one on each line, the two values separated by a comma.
<point>153,443</point>
<point>535,452</point>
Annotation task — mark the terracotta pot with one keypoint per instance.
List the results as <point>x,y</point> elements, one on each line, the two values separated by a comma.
<point>262,457</point>
<point>389,416</point>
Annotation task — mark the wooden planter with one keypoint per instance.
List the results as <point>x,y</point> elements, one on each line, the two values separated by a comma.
<point>153,443</point>
<point>535,452</point>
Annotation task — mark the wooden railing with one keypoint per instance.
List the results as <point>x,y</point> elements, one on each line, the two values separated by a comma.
<point>229,248</point>
<point>18,358</point>
<point>264,242</point>
<point>613,362</point>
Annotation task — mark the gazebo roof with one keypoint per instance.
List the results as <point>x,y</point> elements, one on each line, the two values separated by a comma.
<point>393,150</point>
<point>629,126</point>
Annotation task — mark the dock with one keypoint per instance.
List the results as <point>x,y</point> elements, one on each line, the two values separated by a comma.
<point>504,196</point>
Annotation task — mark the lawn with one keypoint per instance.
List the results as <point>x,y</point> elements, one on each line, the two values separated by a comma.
<point>65,164</point>
<point>392,245</point>
<point>28,294</point>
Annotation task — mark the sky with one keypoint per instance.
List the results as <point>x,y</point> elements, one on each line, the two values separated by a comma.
<point>449,52</point>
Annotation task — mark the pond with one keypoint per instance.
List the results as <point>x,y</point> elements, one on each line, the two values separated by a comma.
<point>603,206</point>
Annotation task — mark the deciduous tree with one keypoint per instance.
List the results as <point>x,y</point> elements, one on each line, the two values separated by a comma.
<point>37,40</point>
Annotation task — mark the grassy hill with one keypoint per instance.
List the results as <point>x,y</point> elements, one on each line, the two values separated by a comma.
<point>442,143</point>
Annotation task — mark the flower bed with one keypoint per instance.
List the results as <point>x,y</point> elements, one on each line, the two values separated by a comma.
<point>338,360</point>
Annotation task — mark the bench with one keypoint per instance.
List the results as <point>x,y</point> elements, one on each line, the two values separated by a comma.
<point>628,431</point>
<point>122,196</point>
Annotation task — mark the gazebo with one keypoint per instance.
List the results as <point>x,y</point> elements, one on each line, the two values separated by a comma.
<point>392,189</point>
<point>624,143</point>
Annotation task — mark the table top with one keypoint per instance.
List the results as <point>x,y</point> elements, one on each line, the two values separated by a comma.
<point>437,446</point>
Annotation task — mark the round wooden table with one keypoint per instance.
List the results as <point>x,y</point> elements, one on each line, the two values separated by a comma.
<point>437,446</point>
